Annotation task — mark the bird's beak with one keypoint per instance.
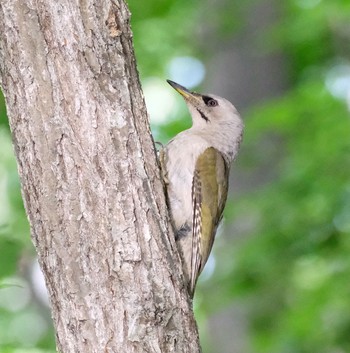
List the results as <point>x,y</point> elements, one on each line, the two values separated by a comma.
<point>188,95</point>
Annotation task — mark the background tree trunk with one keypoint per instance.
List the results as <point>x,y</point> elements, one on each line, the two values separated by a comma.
<point>90,180</point>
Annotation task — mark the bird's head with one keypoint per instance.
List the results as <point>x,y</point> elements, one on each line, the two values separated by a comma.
<point>208,110</point>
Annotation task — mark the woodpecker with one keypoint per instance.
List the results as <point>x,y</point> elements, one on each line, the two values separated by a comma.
<point>195,167</point>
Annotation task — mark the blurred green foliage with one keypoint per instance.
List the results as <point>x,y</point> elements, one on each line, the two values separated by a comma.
<point>162,30</point>
<point>289,265</point>
<point>292,266</point>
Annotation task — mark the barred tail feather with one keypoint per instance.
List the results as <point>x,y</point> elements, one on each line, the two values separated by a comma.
<point>196,232</point>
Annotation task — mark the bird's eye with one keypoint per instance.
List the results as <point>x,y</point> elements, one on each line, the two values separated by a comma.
<point>212,103</point>
<point>209,101</point>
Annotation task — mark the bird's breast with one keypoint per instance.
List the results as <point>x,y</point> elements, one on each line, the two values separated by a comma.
<point>181,156</point>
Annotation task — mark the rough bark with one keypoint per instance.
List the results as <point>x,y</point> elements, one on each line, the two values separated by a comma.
<point>90,180</point>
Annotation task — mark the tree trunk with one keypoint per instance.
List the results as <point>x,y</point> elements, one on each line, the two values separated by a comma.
<point>90,179</point>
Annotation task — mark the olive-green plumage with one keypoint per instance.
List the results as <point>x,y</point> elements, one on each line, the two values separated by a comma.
<point>195,166</point>
<point>209,192</point>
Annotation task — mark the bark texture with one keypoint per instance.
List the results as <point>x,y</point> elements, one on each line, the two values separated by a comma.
<point>90,180</point>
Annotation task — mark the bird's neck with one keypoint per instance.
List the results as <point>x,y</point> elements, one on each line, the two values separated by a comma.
<point>226,138</point>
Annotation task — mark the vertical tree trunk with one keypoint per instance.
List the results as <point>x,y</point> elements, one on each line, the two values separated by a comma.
<point>89,177</point>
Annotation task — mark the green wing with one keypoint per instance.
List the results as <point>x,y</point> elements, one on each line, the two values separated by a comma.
<point>209,193</point>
